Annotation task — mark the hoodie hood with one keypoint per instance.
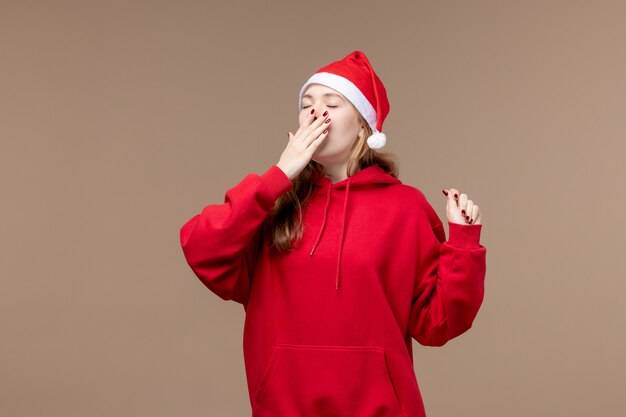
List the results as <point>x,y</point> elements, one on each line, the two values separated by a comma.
<point>370,176</point>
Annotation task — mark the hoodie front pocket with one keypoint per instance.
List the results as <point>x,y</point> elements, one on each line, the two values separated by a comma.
<point>312,381</point>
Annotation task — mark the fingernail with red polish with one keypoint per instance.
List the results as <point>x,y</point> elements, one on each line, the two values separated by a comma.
<point>445,192</point>
<point>463,211</point>
<point>456,196</point>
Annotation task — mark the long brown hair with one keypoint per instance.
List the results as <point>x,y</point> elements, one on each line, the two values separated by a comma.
<point>284,227</point>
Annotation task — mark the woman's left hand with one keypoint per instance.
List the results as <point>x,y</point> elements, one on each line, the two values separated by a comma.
<point>459,209</point>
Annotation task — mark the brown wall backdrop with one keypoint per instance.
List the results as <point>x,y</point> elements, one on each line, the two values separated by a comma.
<point>120,120</point>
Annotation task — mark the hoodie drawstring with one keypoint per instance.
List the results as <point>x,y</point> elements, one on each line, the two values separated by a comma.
<point>343,224</point>
<point>319,235</point>
<point>343,228</point>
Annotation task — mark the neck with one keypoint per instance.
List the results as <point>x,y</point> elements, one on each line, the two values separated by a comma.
<point>337,172</point>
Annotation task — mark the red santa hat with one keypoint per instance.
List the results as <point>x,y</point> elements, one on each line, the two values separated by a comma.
<point>354,77</point>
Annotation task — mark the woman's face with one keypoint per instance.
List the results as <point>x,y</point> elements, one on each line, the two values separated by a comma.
<point>343,129</point>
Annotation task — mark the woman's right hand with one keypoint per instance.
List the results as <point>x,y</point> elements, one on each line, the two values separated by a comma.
<point>303,144</point>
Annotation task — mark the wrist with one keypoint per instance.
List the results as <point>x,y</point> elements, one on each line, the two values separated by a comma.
<point>287,172</point>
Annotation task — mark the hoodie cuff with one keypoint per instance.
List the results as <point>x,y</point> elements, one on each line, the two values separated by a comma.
<point>464,235</point>
<point>276,181</point>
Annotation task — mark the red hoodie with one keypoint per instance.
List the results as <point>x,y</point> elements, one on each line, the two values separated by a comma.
<point>328,326</point>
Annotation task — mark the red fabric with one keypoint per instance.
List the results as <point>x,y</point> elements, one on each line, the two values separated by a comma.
<point>329,325</point>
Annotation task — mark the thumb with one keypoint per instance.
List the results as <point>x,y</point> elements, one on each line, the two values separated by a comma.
<point>450,201</point>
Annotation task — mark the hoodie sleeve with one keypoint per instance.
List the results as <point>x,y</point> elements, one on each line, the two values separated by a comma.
<point>220,243</point>
<point>449,286</point>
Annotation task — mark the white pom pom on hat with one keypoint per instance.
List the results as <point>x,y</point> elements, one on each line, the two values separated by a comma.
<point>354,77</point>
<point>377,140</point>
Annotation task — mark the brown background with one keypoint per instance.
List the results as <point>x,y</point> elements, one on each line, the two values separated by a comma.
<point>122,119</point>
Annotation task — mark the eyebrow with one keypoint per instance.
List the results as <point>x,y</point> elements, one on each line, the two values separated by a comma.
<point>326,94</point>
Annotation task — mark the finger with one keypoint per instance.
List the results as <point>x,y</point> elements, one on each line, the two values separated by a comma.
<point>467,212</point>
<point>318,121</point>
<point>310,118</point>
<point>313,135</point>
<point>451,204</point>
<point>306,129</point>
<point>317,142</point>
<point>478,216</point>
<point>453,194</point>
<point>462,202</point>
<point>474,214</point>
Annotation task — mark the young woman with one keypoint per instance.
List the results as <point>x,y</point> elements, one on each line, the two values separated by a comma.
<point>337,263</point>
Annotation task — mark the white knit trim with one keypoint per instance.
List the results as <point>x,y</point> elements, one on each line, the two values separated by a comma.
<point>348,89</point>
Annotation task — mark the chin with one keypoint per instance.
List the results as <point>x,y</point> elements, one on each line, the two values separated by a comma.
<point>325,158</point>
